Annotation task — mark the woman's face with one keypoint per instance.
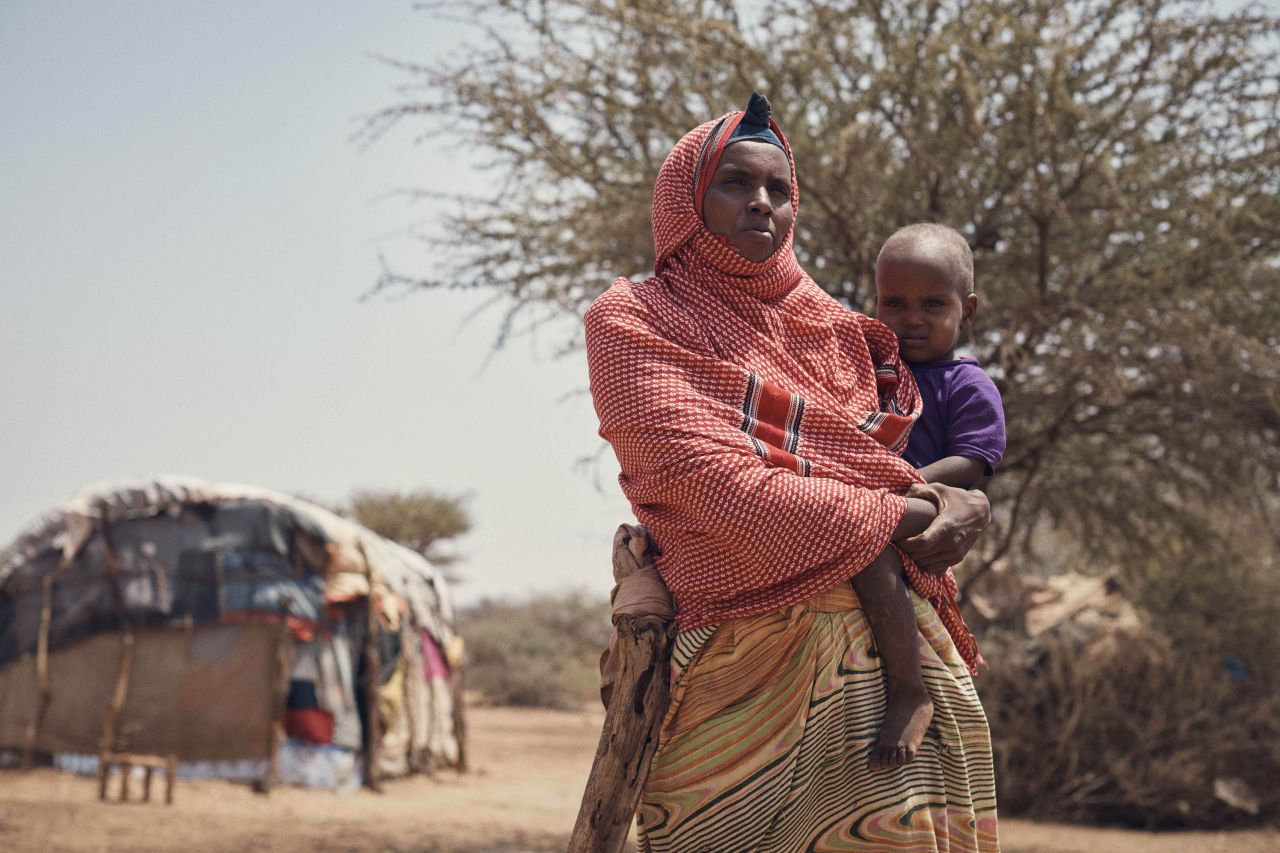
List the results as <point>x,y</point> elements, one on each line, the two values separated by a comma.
<point>749,200</point>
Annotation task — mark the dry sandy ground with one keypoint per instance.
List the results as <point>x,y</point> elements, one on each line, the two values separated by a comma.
<point>523,796</point>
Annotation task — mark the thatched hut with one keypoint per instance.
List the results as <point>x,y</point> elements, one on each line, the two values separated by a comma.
<point>247,632</point>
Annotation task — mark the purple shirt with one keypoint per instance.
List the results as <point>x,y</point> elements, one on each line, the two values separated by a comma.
<point>962,414</point>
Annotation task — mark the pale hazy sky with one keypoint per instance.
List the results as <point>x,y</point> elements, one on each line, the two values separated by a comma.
<point>185,232</point>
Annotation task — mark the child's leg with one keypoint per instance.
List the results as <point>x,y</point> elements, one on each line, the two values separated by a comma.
<point>892,617</point>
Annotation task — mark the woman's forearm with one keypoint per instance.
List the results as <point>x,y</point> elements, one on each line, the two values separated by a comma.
<point>962,514</point>
<point>919,515</point>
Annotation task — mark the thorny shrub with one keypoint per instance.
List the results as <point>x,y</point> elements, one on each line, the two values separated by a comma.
<point>1133,730</point>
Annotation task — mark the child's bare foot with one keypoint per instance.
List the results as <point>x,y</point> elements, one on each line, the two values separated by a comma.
<point>906,719</point>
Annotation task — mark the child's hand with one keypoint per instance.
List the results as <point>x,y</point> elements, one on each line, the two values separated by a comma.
<point>962,515</point>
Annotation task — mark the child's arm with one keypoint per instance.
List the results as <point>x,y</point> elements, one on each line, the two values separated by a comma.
<point>975,437</point>
<point>962,472</point>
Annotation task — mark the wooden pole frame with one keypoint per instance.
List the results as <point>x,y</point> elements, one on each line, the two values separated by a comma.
<point>280,695</point>
<point>121,691</point>
<point>106,743</point>
<point>372,682</point>
<point>457,689</point>
<point>42,673</point>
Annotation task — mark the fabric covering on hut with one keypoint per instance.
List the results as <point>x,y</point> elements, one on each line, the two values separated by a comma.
<point>243,630</point>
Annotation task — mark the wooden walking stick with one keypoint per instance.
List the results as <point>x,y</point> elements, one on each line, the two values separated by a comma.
<point>635,690</point>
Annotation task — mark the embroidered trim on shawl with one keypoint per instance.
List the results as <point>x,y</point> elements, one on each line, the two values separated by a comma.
<point>889,429</point>
<point>709,157</point>
<point>771,419</point>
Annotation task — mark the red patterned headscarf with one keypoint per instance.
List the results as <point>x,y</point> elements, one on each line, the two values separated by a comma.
<point>758,423</point>
<point>681,238</point>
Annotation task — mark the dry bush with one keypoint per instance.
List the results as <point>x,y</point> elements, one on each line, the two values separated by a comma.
<point>1100,721</point>
<point>1131,730</point>
<point>543,652</point>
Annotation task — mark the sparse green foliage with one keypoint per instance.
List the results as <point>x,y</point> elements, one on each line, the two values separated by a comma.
<point>543,652</point>
<point>421,520</point>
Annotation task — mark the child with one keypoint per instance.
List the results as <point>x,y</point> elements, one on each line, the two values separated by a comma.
<point>924,291</point>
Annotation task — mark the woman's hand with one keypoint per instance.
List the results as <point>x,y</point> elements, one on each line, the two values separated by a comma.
<point>962,515</point>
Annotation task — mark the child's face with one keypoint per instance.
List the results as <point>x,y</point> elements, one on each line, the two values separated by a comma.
<point>918,300</point>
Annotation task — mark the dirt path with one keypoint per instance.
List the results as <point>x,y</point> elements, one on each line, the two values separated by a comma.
<point>523,796</point>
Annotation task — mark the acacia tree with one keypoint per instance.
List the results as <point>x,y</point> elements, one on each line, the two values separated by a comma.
<point>1114,164</point>
<point>422,520</point>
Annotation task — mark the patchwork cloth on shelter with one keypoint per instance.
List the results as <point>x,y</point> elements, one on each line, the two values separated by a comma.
<point>191,582</point>
<point>765,743</point>
<point>197,566</point>
<point>205,694</point>
<point>321,704</point>
<point>437,698</point>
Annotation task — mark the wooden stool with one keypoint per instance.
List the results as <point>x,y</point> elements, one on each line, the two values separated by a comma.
<point>126,762</point>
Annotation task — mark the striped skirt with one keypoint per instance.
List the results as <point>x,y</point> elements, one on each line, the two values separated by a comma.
<point>764,746</point>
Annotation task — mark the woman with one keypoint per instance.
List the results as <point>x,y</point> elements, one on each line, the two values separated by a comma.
<point>758,425</point>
